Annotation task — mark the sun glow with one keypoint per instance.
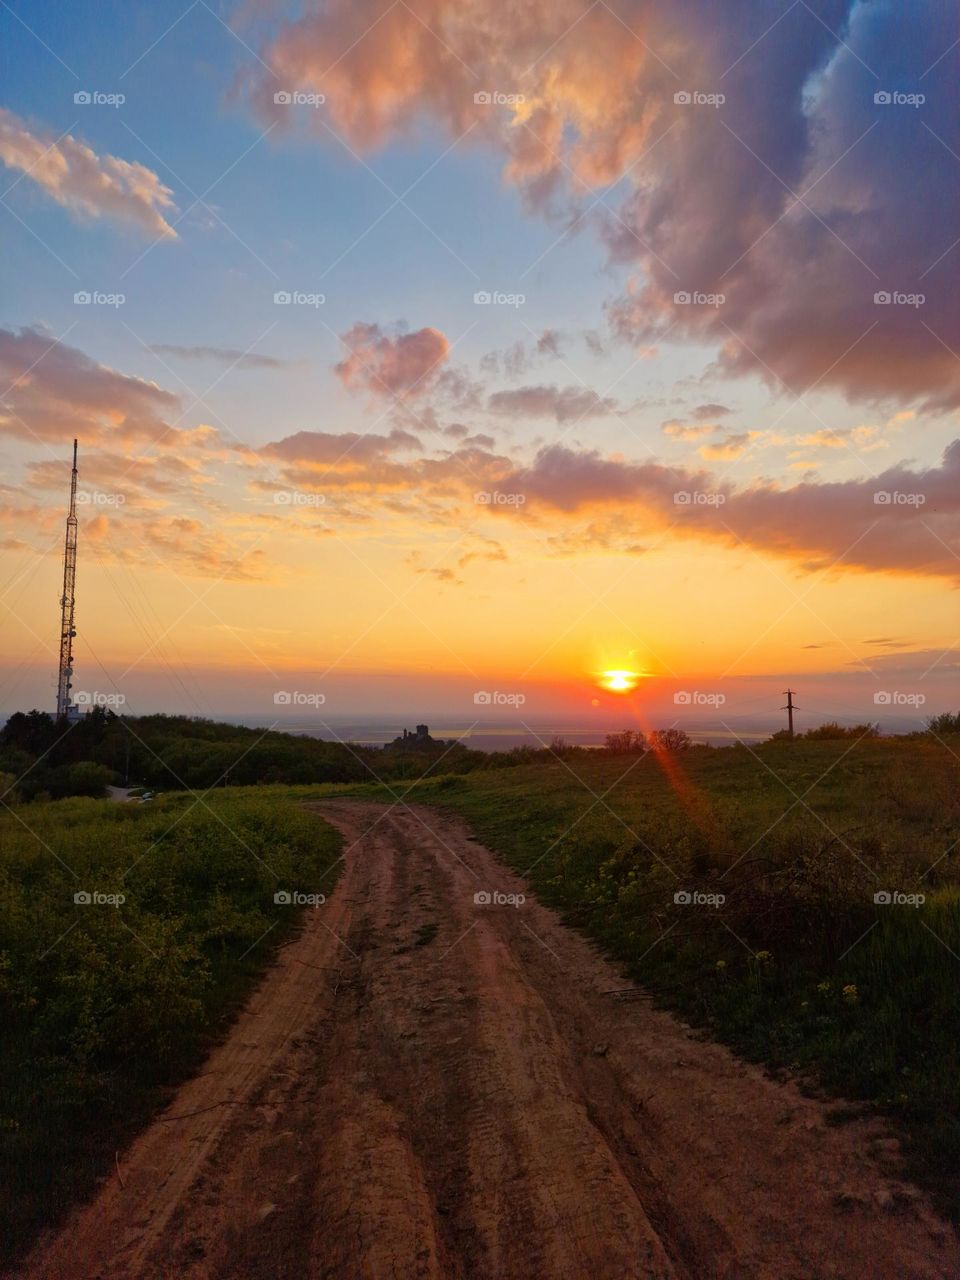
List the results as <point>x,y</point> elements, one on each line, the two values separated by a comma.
<point>618,681</point>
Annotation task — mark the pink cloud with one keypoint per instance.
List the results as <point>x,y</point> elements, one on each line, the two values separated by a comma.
<point>391,366</point>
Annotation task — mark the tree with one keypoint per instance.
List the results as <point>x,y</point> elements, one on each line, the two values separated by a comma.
<point>946,722</point>
<point>631,742</point>
<point>673,740</point>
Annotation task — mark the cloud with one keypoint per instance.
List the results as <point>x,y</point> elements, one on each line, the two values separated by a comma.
<point>563,404</point>
<point>687,431</point>
<point>709,412</point>
<point>731,446</point>
<point>857,439</point>
<point>91,185</point>
<point>797,202</point>
<point>224,355</point>
<point>520,357</point>
<point>197,550</point>
<point>328,449</point>
<point>902,521</point>
<point>390,366</point>
<point>57,392</point>
<point>796,199</point>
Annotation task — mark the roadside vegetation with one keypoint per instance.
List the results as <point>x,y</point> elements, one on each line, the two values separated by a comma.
<point>129,936</point>
<point>800,899</point>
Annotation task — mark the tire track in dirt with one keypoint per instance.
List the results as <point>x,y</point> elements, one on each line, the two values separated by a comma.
<point>424,1087</point>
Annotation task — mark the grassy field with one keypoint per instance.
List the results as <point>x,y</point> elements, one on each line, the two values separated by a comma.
<point>741,887</point>
<point>107,1003</point>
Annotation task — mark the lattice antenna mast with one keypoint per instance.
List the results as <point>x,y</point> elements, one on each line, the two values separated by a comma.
<point>67,632</point>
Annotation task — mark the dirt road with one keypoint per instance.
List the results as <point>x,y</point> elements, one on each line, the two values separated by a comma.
<point>425,1086</point>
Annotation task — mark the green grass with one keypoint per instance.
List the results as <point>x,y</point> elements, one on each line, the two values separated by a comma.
<point>798,967</point>
<point>105,1007</point>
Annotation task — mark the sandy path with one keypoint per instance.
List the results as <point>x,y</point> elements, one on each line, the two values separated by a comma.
<point>427,1087</point>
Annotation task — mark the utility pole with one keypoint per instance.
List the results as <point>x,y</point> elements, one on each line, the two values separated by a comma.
<point>789,709</point>
<point>65,707</point>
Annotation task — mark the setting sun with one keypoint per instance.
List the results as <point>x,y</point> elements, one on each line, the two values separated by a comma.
<point>619,681</point>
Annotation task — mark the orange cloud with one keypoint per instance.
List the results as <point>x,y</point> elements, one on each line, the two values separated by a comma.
<point>88,184</point>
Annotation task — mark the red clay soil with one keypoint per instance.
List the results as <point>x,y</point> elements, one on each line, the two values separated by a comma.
<point>427,1087</point>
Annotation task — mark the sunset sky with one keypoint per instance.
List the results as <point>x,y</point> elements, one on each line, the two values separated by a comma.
<point>619,336</point>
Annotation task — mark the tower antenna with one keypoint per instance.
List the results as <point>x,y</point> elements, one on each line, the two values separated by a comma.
<point>65,707</point>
